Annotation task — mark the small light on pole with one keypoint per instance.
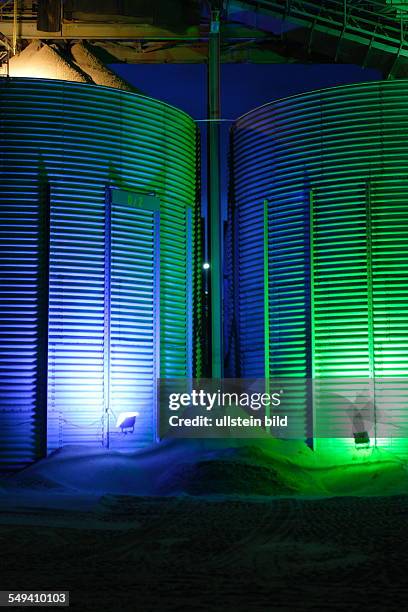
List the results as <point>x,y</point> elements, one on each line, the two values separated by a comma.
<point>206,265</point>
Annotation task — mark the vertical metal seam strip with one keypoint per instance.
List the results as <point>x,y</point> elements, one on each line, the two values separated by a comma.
<point>107,318</point>
<point>198,302</point>
<point>266,302</point>
<point>311,404</point>
<point>235,219</point>
<point>370,302</point>
<point>189,291</point>
<point>156,314</point>
<point>45,231</point>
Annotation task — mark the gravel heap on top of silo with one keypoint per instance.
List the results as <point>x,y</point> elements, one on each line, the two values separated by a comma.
<point>78,64</point>
<point>43,61</point>
<point>89,63</point>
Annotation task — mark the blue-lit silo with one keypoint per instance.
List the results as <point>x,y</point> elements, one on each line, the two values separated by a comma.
<point>99,256</point>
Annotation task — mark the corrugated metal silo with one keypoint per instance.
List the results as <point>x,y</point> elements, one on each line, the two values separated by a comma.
<point>320,215</point>
<point>99,249</point>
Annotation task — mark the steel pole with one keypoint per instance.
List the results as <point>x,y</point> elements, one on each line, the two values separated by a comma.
<point>15,18</point>
<point>214,198</point>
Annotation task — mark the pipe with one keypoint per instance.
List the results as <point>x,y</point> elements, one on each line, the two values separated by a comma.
<point>214,199</point>
<point>15,15</point>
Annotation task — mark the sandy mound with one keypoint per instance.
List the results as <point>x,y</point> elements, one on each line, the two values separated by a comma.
<point>200,468</point>
<point>220,477</point>
<point>90,64</point>
<point>79,64</point>
<point>45,62</point>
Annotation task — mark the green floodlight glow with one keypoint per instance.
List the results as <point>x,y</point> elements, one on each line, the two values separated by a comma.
<point>330,247</point>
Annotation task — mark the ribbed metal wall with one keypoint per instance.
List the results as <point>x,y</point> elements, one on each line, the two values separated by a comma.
<point>73,142</point>
<point>332,166</point>
<point>24,212</point>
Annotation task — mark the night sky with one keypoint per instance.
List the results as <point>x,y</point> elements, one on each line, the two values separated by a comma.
<point>243,87</point>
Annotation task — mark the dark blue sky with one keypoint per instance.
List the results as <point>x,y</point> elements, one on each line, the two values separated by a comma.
<point>244,86</point>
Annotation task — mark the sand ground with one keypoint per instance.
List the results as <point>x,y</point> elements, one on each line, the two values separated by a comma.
<point>206,544</point>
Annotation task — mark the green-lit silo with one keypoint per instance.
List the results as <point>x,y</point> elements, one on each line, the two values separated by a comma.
<point>99,249</point>
<point>320,214</point>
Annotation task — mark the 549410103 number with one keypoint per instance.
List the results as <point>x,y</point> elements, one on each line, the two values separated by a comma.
<point>34,598</point>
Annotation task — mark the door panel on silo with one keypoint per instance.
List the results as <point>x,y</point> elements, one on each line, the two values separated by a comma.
<point>134,317</point>
<point>76,319</point>
<point>104,321</point>
<point>389,246</point>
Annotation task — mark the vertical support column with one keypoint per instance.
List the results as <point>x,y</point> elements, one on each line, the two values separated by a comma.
<point>49,15</point>
<point>214,199</point>
<point>370,304</point>
<point>311,413</point>
<point>15,20</point>
<point>107,318</point>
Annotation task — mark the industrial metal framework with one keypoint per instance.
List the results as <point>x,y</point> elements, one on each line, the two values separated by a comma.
<point>357,31</point>
<point>368,33</point>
